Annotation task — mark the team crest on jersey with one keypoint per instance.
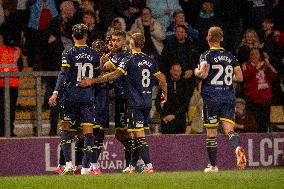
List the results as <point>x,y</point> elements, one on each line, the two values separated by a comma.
<point>139,124</point>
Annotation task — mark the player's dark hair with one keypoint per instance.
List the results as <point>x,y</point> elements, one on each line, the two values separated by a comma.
<point>138,39</point>
<point>215,34</point>
<point>119,33</point>
<point>79,31</point>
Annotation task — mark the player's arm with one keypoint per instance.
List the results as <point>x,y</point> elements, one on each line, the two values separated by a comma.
<point>238,75</point>
<point>202,70</point>
<point>163,85</point>
<point>104,79</point>
<point>59,84</point>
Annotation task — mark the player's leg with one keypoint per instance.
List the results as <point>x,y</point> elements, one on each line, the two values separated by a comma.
<point>141,145</point>
<point>210,122</point>
<point>61,163</point>
<point>121,133</point>
<point>90,146</point>
<point>228,123</point>
<point>99,135</point>
<point>79,145</point>
<point>66,140</point>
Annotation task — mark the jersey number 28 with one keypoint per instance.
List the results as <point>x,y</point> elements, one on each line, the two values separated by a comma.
<point>228,77</point>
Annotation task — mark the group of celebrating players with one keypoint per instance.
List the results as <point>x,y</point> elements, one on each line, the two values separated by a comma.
<point>82,94</point>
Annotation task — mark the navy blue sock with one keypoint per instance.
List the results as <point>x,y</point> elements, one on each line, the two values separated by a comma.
<point>127,150</point>
<point>211,144</point>
<point>66,145</point>
<point>88,149</point>
<point>134,152</point>
<point>79,145</point>
<point>234,138</point>
<point>61,158</point>
<point>144,150</point>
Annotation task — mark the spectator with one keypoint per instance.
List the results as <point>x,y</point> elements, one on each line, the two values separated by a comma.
<point>250,40</point>
<point>117,24</point>
<point>94,31</point>
<point>179,19</point>
<point>205,20</point>
<point>10,61</point>
<point>255,11</point>
<point>231,15</point>
<point>108,10</point>
<point>41,14</point>
<point>131,10</point>
<point>279,15</point>
<point>173,112</point>
<point>152,30</point>
<point>180,49</point>
<point>88,5</point>
<point>163,10</point>
<point>191,9</point>
<point>2,18</point>
<point>245,121</point>
<point>258,76</point>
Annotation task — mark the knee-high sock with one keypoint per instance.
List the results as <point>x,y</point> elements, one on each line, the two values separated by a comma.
<point>79,145</point>
<point>143,150</point>
<point>234,138</point>
<point>134,152</point>
<point>66,145</point>
<point>88,149</point>
<point>212,149</point>
<point>61,158</point>
<point>127,150</point>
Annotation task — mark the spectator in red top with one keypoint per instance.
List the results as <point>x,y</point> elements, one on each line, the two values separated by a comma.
<point>258,75</point>
<point>245,121</point>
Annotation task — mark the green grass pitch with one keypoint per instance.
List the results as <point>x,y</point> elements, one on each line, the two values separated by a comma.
<point>256,178</point>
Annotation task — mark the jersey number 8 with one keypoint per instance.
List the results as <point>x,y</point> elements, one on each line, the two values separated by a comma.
<point>146,78</point>
<point>228,77</point>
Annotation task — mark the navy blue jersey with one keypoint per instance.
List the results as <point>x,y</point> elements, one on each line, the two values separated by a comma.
<point>140,70</point>
<point>78,62</point>
<point>218,86</point>
<point>120,88</point>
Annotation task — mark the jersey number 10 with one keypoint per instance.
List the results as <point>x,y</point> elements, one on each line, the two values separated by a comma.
<point>82,69</point>
<point>228,77</point>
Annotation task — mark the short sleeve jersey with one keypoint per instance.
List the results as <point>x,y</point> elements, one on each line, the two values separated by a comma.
<point>218,86</point>
<point>82,61</point>
<point>120,88</point>
<point>140,70</point>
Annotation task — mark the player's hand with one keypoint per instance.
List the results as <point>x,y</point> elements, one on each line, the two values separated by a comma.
<point>52,100</point>
<point>86,82</point>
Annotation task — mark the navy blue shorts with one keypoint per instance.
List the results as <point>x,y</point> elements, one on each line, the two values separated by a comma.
<point>214,113</point>
<point>102,108</point>
<point>137,118</point>
<point>120,114</point>
<point>79,113</point>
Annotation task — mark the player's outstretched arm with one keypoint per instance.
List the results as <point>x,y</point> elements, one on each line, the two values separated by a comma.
<point>163,85</point>
<point>106,78</point>
<point>238,75</point>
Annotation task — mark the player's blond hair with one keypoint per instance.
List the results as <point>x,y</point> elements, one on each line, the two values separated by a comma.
<point>138,39</point>
<point>215,34</point>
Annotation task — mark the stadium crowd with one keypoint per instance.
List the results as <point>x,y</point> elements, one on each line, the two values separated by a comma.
<point>175,36</point>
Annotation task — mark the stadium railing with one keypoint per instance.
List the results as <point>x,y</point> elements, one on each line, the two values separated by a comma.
<point>38,76</point>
